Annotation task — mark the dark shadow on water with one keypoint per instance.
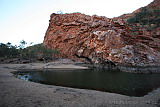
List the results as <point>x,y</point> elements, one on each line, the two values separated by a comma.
<point>124,83</point>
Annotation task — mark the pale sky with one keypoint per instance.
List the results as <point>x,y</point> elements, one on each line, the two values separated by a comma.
<point>29,19</point>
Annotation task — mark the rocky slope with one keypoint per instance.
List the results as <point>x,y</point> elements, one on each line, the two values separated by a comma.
<point>153,5</point>
<point>101,40</point>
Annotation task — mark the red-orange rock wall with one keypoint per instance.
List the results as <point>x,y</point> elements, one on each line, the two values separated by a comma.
<point>98,39</point>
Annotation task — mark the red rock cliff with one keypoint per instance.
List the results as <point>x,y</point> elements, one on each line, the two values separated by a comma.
<point>99,39</point>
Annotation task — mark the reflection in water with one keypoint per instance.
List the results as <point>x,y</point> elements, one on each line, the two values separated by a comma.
<point>110,81</point>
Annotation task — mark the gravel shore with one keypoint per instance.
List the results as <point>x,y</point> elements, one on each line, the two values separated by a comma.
<point>19,93</point>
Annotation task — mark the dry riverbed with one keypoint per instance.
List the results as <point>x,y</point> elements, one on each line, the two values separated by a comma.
<point>19,93</point>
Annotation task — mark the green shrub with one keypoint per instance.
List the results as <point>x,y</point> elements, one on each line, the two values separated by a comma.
<point>39,51</point>
<point>146,17</point>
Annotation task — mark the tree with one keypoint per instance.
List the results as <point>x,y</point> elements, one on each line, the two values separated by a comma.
<point>13,51</point>
<point>8,50</point>
<point>32,53</point>
<point>22,44</point>
<point>3,50</point>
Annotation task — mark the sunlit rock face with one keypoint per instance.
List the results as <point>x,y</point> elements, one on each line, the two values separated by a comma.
<point>98,39</point>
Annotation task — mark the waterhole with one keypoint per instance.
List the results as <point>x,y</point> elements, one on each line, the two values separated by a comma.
<point>124,83</point>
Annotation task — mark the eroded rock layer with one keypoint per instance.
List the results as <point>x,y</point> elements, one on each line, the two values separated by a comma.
<point>99,39</point>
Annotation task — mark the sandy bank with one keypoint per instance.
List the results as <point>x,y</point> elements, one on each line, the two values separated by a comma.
<point>19,93</point>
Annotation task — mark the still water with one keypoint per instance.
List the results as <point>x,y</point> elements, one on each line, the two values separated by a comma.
<point>124,83</point>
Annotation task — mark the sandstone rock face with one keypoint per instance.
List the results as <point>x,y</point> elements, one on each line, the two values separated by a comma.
<point>98,39</point>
